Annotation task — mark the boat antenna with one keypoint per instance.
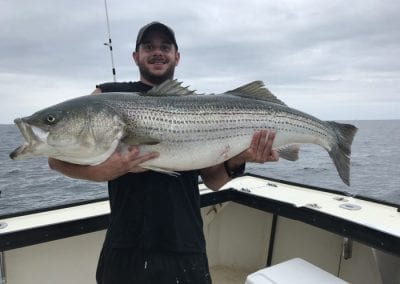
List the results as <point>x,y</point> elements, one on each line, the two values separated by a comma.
<point>109,44</point>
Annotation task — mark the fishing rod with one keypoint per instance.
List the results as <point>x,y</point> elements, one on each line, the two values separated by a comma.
<point>109,44</point>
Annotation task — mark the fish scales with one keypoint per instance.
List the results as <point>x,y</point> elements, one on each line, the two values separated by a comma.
<point>233,117</point>
<point>189,131</point>
<point>214,122</point>
<point>216,132</point>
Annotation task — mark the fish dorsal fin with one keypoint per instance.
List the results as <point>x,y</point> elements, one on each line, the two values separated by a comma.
<point>255,90</point>
<point>170,88</point>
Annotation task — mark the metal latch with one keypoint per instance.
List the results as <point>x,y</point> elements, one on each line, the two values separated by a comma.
<point>347,248</point>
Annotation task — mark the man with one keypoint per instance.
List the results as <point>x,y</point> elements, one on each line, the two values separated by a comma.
<point>155,233</point>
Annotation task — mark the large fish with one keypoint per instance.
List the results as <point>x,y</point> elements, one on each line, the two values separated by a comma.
<point>190,131</point>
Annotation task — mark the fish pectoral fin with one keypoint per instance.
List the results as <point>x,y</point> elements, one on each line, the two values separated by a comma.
<point>140,141</point>
<point>289,152</point>
<point>161,170</point>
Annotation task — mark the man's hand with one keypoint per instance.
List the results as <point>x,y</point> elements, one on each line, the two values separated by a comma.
<point>260,150</point>
<point>116,165</point>
<point>120,163</point>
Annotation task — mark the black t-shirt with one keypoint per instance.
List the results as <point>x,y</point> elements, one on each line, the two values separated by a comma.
<point>153,211</point>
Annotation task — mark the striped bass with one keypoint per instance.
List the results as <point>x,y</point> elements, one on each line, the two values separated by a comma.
<point>190,131</point>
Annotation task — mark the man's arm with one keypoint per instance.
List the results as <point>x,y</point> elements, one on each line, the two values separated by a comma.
<point>116,165</point>
<point>260,151</point>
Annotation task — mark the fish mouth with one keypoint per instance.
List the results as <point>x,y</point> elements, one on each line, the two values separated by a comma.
<point>33,136</point>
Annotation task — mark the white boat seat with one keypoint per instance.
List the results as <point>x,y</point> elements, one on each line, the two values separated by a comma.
<point>293,271</point>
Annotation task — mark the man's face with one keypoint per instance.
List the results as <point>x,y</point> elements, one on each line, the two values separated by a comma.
<point>156,58</point>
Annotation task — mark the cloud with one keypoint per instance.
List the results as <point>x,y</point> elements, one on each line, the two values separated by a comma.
<point>312,54</point>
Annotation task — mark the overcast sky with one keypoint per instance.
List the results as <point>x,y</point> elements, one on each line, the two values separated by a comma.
<point>337,60</point>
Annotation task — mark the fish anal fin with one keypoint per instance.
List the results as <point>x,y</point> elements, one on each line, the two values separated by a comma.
<point>255,90</point>
<point>289,152</point>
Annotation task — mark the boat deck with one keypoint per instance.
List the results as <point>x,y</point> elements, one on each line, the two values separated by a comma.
<point>290,220</point>
<point>269,195</point>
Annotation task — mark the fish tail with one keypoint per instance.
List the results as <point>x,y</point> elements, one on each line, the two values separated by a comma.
<point>341,150</point>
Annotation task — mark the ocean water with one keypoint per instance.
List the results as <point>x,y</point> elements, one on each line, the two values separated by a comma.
<point>375,171</point>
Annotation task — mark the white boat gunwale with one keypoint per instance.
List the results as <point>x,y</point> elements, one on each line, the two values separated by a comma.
<point>370,236</point>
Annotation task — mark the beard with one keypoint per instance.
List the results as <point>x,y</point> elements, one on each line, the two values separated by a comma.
<point>155,78</point>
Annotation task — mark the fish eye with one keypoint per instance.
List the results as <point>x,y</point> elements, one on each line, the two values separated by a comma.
<point>50,118</point>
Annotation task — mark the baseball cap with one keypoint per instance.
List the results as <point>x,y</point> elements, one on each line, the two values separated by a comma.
<point>156,26</point>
